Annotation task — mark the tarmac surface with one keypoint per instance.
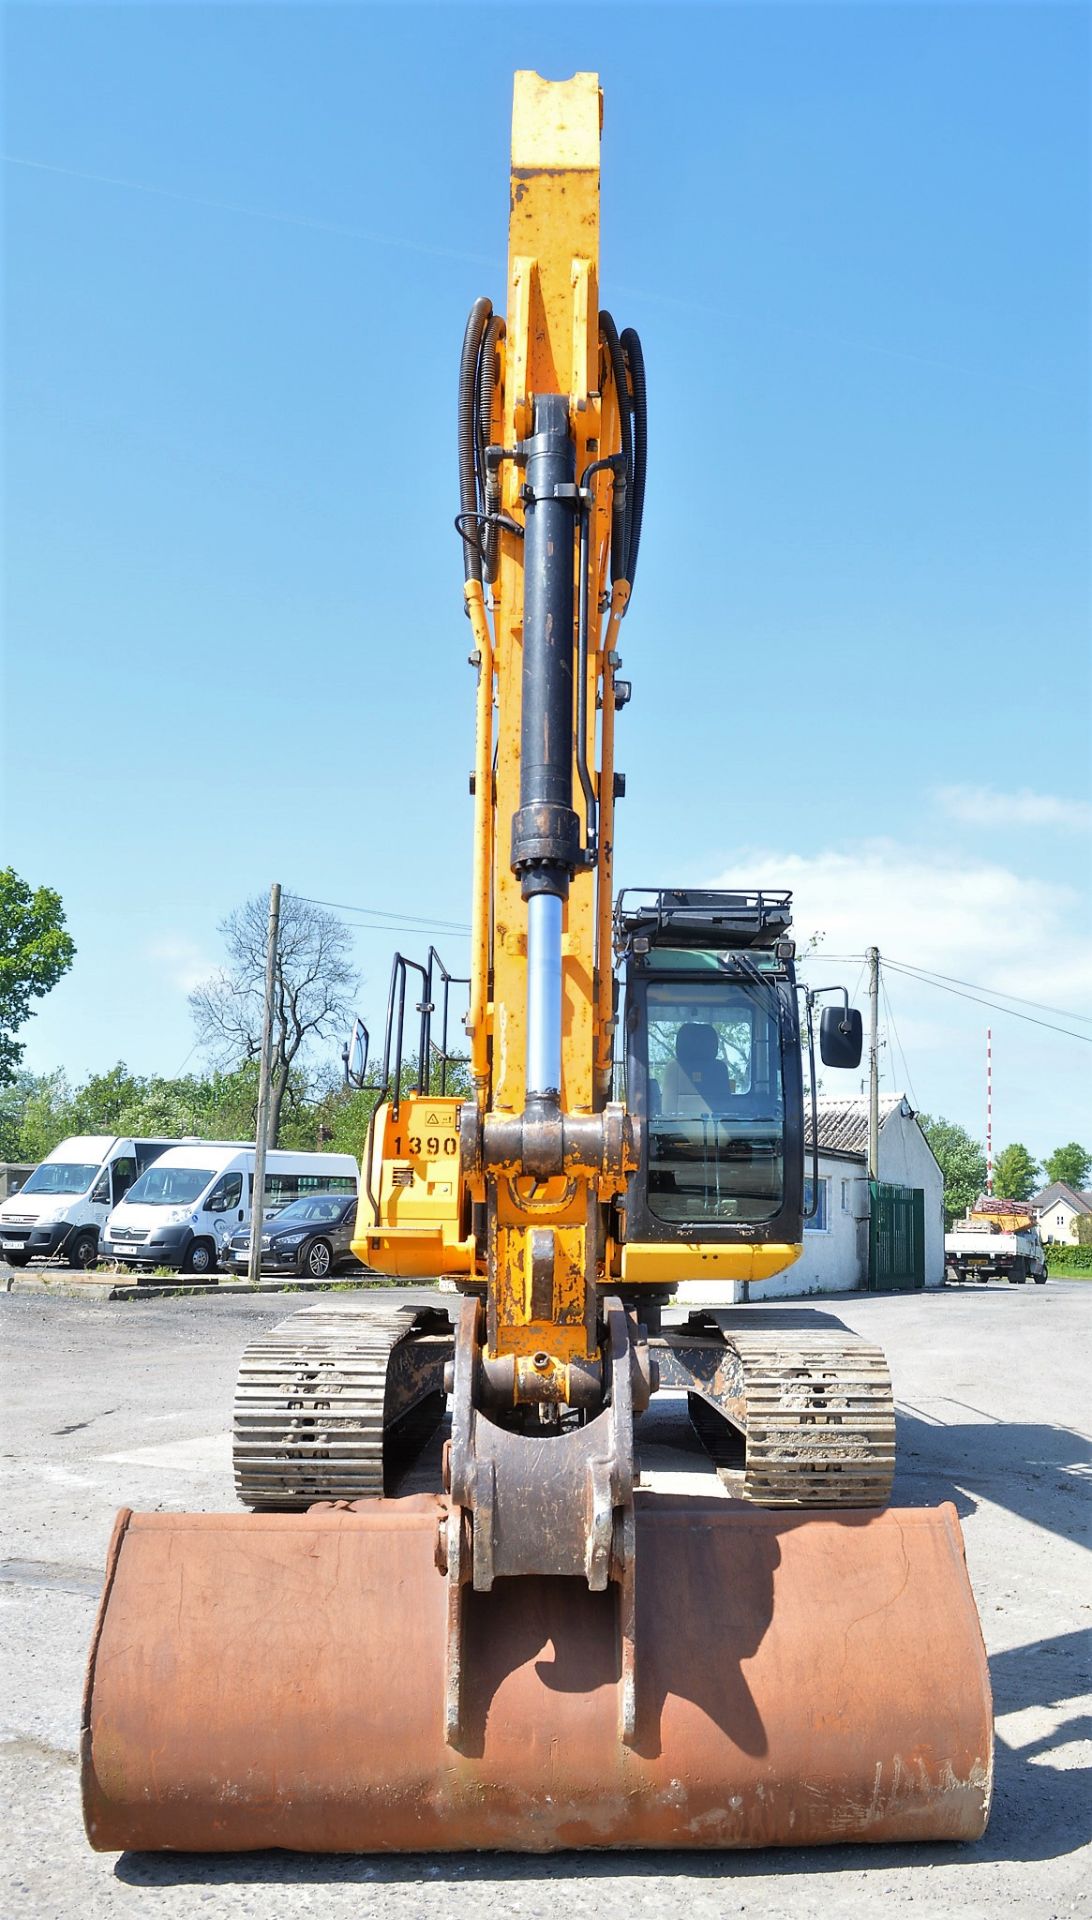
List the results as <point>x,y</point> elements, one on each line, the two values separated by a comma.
<point>111,1403</point>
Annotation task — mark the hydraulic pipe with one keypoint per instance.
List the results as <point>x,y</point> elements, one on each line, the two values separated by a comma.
<point>604,967</point>
<point>483,841</point>
<point>546,830</point>
<point>543,994</point>
<point>582,767</point>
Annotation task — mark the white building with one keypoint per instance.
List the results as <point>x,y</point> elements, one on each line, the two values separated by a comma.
<point>1059,1208</point>
<point>835,1256</point>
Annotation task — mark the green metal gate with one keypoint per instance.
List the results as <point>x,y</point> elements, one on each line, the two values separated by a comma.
<point>896,1238</point>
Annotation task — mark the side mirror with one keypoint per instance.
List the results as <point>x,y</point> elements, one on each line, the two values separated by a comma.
<point>354,1055</point>
<point>840,1037</point>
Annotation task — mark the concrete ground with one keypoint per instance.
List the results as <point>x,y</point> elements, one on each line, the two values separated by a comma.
<point>113,1403</point>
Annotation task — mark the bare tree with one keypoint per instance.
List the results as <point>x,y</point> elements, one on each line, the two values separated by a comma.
<point>312,994</point>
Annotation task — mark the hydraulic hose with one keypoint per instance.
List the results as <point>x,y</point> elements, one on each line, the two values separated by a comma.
<point>488,478</point>
<point>635,360</point>
<point>622,507</point>
<point>480,314</point>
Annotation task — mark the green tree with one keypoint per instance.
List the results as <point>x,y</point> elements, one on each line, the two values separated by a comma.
<point>1070,1164</point>
<point>342,1115</point>
<point>45,1116</point>
<point>37,1111</point>
<point>35,952</point>
<point>224,1105</point>
<point>169,1108</point>
<point>1084,1230</point>
<point>14,1099</point>
<point>33,1115</point>
<point>1015,1173</point>
<point>962,1161</point>
<point>102,1102</point>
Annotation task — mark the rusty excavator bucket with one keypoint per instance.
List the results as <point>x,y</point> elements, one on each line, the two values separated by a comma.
<point>278,1680</point>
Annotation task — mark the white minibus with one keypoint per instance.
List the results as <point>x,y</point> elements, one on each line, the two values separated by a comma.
<point>62,1207</point>
<point>181,1212</point>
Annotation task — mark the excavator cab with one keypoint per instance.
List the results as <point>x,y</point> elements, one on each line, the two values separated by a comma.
<point>712,1068</point>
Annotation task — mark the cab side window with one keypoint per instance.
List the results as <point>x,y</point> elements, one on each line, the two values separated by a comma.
<point>227,1193</point>
<point>100,1192</point>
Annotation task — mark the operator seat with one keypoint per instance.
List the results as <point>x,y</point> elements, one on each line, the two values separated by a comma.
<point>697,1070</point>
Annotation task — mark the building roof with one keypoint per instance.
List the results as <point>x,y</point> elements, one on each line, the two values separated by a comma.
<point>843,1123</point>
<point>1057,1190</point>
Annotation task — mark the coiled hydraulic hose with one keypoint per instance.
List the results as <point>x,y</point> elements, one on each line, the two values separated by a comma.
<point>621,508</point>
<point>489,494</point>
<point>479,485</point>
<point>476,328</point>
<point>635,361</point>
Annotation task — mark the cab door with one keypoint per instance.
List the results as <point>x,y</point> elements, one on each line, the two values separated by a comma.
<point>225,1208</point>
<point>99,1201</point>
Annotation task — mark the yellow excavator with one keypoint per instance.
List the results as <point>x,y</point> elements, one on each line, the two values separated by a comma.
<point>541,1653</point>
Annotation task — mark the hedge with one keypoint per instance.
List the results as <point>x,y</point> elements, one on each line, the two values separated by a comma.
<point>1069,1259</point>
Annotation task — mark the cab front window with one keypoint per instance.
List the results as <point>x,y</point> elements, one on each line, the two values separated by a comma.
<point>715,1111</point>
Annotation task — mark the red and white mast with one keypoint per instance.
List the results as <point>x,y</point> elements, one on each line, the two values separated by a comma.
<point>989,1110</point>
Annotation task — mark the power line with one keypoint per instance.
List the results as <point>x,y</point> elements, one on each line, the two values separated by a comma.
<point>954,980</point>
<point>950,983</point>
<point>830,959</point>
<point>896,1036</point>
<point>177,1075</point>
<point>385,918</point>
<point>929,980</point>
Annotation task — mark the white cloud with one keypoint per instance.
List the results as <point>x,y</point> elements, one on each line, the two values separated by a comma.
<point>986,807</point>
<point>180,961</point>
<point>977,920</point>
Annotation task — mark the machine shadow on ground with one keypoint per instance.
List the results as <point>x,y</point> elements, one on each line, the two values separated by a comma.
<point>1038,1472</point>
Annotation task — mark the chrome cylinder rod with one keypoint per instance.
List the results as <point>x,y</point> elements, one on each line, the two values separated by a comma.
<point>543,994</point>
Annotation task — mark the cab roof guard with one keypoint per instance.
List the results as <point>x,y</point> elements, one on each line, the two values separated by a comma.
<point>700,917</point>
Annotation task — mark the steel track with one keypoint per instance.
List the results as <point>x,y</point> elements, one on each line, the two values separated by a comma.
<point>314,1410</point>
<point>313,1402</point>
<point>820,1420</point>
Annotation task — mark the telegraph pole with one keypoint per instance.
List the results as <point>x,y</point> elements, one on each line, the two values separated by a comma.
<point>873,957</point>
<point>257,1206</point>
<point>989,1110</point>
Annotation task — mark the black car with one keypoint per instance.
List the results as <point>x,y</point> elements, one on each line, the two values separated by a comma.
<point>311,1237</point>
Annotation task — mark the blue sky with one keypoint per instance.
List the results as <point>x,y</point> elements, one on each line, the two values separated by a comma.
<point>240,246</point>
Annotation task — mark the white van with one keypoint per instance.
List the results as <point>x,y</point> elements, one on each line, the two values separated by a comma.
<point>183,1210</point>
<point>62,1207</point>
